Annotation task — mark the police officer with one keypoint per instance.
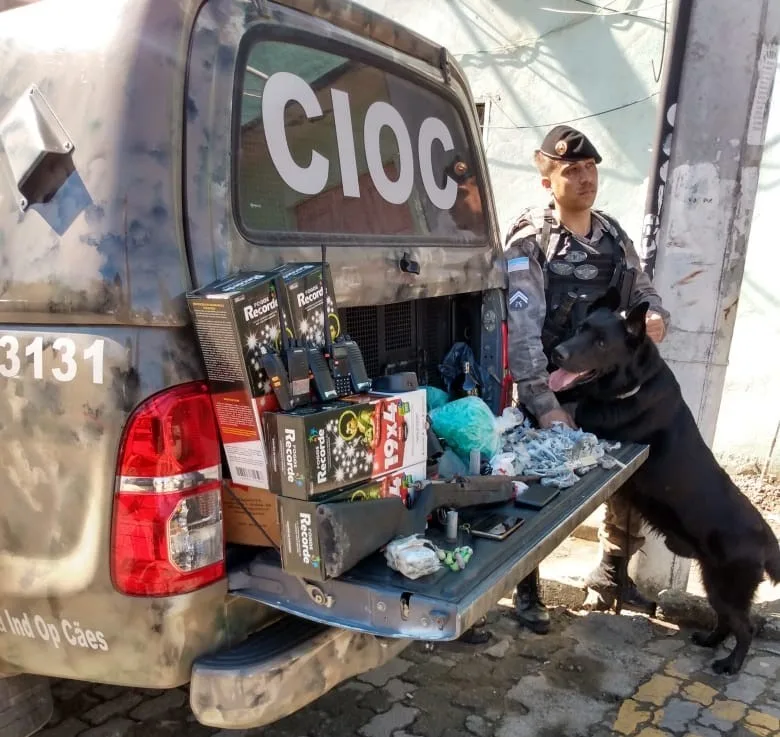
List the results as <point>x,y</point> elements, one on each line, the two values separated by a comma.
<point>559,259</point>
<point>466,214</point>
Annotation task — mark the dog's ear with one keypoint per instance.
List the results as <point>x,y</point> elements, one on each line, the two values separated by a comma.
<point>635,321</point>
<point>610,299</point>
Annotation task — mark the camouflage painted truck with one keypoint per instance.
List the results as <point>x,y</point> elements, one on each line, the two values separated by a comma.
<point>149,147</point>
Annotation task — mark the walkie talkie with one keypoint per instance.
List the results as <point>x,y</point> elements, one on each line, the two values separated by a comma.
<point>288,372</point>
<point>320,373</point>
<point>339,369</point>
<point>344,356</point>
<point>357,369</point>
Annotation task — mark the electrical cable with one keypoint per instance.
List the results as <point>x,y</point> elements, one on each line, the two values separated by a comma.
<point>657,76</point>
<point>570,120</point>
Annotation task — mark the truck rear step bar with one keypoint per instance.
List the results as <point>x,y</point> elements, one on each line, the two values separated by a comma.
<point>279,670</point>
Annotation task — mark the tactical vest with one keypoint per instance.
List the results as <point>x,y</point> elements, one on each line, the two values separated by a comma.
<point>575,280</point>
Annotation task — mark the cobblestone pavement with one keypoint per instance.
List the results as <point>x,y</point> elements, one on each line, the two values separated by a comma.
<point>594,675</point>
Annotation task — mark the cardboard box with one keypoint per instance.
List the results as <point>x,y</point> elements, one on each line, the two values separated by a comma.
<point>304,282</point>
<point>301,553</point>
<point>235,318</point>
<point>261,505</point>
<point>313,450</point>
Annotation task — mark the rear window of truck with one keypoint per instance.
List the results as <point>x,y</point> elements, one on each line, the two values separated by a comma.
<point>335,145</point>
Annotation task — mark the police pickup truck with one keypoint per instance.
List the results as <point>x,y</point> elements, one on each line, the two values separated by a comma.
<point>149,147</point>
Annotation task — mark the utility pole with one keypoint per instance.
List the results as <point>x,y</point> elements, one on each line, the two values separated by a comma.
<point>708,194</point>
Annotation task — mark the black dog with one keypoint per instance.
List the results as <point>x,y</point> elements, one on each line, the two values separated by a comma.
<point>630,394</point>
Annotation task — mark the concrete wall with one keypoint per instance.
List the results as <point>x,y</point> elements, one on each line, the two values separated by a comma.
<point>750,409</point>
<point>537,64</point>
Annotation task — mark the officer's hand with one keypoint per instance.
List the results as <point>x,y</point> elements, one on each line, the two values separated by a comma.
<point>556,415</point>
<point>656,330</point>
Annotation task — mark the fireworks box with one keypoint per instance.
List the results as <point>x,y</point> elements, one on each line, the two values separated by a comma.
<point>301,554</point>
<point>235,318</point>
<point>313,450</point>
<point>304,283</point>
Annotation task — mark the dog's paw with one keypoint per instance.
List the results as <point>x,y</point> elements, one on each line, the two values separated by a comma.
<point>726,666</point>
<point>703,639</point>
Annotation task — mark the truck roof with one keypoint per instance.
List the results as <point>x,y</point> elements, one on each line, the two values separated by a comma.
<point>364,22</point>
<point>343,13</point>
<point>11,4</point>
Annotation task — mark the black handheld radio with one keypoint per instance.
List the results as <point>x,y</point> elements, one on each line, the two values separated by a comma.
<point>340,371</point>
<point>288,372</point>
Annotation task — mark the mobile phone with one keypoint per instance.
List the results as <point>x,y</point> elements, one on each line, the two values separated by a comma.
<point>495,526</point>
<point>537,496</point>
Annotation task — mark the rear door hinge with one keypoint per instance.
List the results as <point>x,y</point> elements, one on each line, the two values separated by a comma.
<point>444,65</point>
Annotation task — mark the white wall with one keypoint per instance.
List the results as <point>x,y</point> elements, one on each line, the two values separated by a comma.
<point>545,62</point>
<point>750,409</point>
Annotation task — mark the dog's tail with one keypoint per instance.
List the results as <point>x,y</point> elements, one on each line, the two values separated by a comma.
<point>772,563</point>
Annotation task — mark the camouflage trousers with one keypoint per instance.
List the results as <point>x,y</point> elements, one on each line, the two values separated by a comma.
<point>620,533</point>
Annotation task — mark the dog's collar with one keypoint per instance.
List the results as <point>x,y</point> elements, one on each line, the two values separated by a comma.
<point>629,393</point>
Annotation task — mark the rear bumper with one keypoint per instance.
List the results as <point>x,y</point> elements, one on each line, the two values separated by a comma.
<point>241,689</point>
<point>151,642</point>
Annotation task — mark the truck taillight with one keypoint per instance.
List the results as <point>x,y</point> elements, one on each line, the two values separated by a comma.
<point>167,535</point>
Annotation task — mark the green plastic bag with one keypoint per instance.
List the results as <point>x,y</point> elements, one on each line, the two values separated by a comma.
<point>435,397</point>
<point>465,424</point>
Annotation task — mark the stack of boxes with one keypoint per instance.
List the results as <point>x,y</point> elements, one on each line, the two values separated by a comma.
<point>283,464</point>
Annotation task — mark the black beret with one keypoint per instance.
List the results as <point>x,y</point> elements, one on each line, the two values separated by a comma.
<point>458,169</point>
<point>567,144</point>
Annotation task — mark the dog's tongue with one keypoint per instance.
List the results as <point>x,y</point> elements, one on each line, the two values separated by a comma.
<point>560,379</point>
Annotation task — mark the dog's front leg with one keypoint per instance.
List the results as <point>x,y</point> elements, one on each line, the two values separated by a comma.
<point>624,421</point>
<point>732,663</point>
<point>714,638</point>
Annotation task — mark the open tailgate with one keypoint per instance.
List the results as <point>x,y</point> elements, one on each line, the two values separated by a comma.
<point>373,598</point>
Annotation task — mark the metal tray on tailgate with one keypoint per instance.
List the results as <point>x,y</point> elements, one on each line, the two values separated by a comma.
<point>373,598</point>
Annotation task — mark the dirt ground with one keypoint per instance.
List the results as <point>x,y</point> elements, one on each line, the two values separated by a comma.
<point>764,493</point>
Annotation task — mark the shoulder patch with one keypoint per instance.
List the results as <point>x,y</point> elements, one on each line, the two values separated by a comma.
<point>518,300</point>
<point>521,263</point>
